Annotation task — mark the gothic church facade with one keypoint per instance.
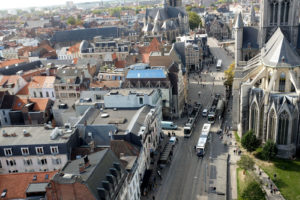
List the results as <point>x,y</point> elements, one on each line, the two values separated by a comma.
<point>266,87</point>
<point>166,22</point>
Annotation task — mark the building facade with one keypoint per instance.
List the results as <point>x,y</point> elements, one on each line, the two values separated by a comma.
<point>266,87</point>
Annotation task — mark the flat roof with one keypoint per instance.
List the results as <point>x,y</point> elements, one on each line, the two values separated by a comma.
<point>36,187</point>
<point>126,92</point>
<point>37,135</point>
<point>121,118</point>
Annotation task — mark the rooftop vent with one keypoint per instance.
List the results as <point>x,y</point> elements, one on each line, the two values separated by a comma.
<point>26,133</point>
<point>105,115</point>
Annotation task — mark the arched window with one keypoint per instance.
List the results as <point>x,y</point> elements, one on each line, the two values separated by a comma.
<point>282,82</point>
<point>254,115</point>
<point>283,128</point>
<point>272,123</point>
<point>34,94</point>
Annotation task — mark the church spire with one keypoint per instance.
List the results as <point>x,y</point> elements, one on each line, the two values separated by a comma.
<point>239,21</point>
<point>165,4</point>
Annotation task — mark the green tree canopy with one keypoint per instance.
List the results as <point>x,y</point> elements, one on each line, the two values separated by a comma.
<point>194,20</point>
<point>253,191</point>
<point>246,163</point>
<point>71,20</point>
<point>269,150</point>
<point>249,141</point>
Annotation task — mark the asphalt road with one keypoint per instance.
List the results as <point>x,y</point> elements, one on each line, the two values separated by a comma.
<point>188,177</point>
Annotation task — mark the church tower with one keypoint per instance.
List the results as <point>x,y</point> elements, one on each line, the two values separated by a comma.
<point>238,28</point>
<point>175,3</point>
<point>279,13</point>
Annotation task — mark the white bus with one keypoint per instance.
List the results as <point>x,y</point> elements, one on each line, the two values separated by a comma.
<point>201,144</point>
<point>205,129</point>
<point>200,148</point>
<point>219,65</point>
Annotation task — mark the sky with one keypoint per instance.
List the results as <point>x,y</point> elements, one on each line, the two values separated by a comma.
<point>10,4</point>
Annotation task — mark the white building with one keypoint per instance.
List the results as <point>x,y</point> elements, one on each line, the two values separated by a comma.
<point>42,87</point>
<point>31,148</point>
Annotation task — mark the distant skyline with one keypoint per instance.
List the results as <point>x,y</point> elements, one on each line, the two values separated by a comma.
<point>16,4</point>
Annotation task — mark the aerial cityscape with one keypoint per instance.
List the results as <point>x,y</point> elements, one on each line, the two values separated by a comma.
<point>150,100</point>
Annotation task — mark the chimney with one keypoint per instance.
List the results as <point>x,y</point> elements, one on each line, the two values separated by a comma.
<point>81,168</point>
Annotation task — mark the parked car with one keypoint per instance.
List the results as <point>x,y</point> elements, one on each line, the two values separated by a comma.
<point>168,125</point>
<point>204,112</point>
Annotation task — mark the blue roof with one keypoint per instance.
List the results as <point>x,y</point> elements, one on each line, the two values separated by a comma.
<point>147,73</point>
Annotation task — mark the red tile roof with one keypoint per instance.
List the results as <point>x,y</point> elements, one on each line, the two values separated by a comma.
<point>9,80</point>
<point>24,90</point>
<point>105,84</point>
<point>11,62</point>
<point>154,45</point>
<point>120,64</point>
<point>17,184</point>
<point>42,82</point>
<point>40,104</point>
<point>74,48</point>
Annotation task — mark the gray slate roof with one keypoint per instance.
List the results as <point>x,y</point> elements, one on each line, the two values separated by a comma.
<point>85,34</point>
<point>165,13</point>
<point>100,164</point>
<point>279,52</point>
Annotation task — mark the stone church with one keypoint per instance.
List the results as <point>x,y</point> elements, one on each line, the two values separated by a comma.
<point>266,87</point>
<point>166,22</point>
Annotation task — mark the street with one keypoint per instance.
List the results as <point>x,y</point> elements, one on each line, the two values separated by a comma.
<point>188,177</point>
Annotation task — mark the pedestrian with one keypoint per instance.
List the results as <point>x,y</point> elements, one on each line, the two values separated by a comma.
<point>176,140</point>
<point>169,134</point>
<point>153,197</point>
<point>195,147</point>
<point>234,151</point>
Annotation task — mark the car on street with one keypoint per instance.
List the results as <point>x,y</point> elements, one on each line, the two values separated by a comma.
<point>204,112</point>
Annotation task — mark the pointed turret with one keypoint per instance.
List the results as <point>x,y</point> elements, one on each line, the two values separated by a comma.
<point>239,22</point>
<point>252,16</point>
<point>158,17</point>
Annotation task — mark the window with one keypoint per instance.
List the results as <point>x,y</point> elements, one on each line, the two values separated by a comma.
<point>11,162</point>
<point>41,94</point>
<point>39,150</point>
<point>34,94</point>
<point>54,149</point>
<point>0,164</point>
<point>42,161</point>
<point>47,94</point>
<point>3,112</point>
<point>8,151</point>
<point>254,115</point>
<point>25,151</point>
<point>283,128</point>
<point>52,94</point>
<point>56,161</point>
<point>282,82</point>
<point>27,162</point>
<point>5,119</point>
<point>272,122</point>
<point>141,100</point>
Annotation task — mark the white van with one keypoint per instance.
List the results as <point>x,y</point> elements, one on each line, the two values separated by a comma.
<point>168,125</point>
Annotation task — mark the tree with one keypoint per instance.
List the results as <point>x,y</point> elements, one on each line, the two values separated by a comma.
<point>71,20</point>
<point>194,20</point>
<point>249,141</point>
<point>229,75</point>
<point>253,191</point>
<point>269,150</point>
<point>246,163</point>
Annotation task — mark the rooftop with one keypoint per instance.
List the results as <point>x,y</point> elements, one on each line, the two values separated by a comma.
<point>36,135</point>
<point>126,92</point>
<point>146,74</point>
<point>120,118</point>
<point>42,82</point>
<point>17,184</point>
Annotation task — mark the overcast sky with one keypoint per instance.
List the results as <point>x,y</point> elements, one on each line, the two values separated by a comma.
<point>8,4</point>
